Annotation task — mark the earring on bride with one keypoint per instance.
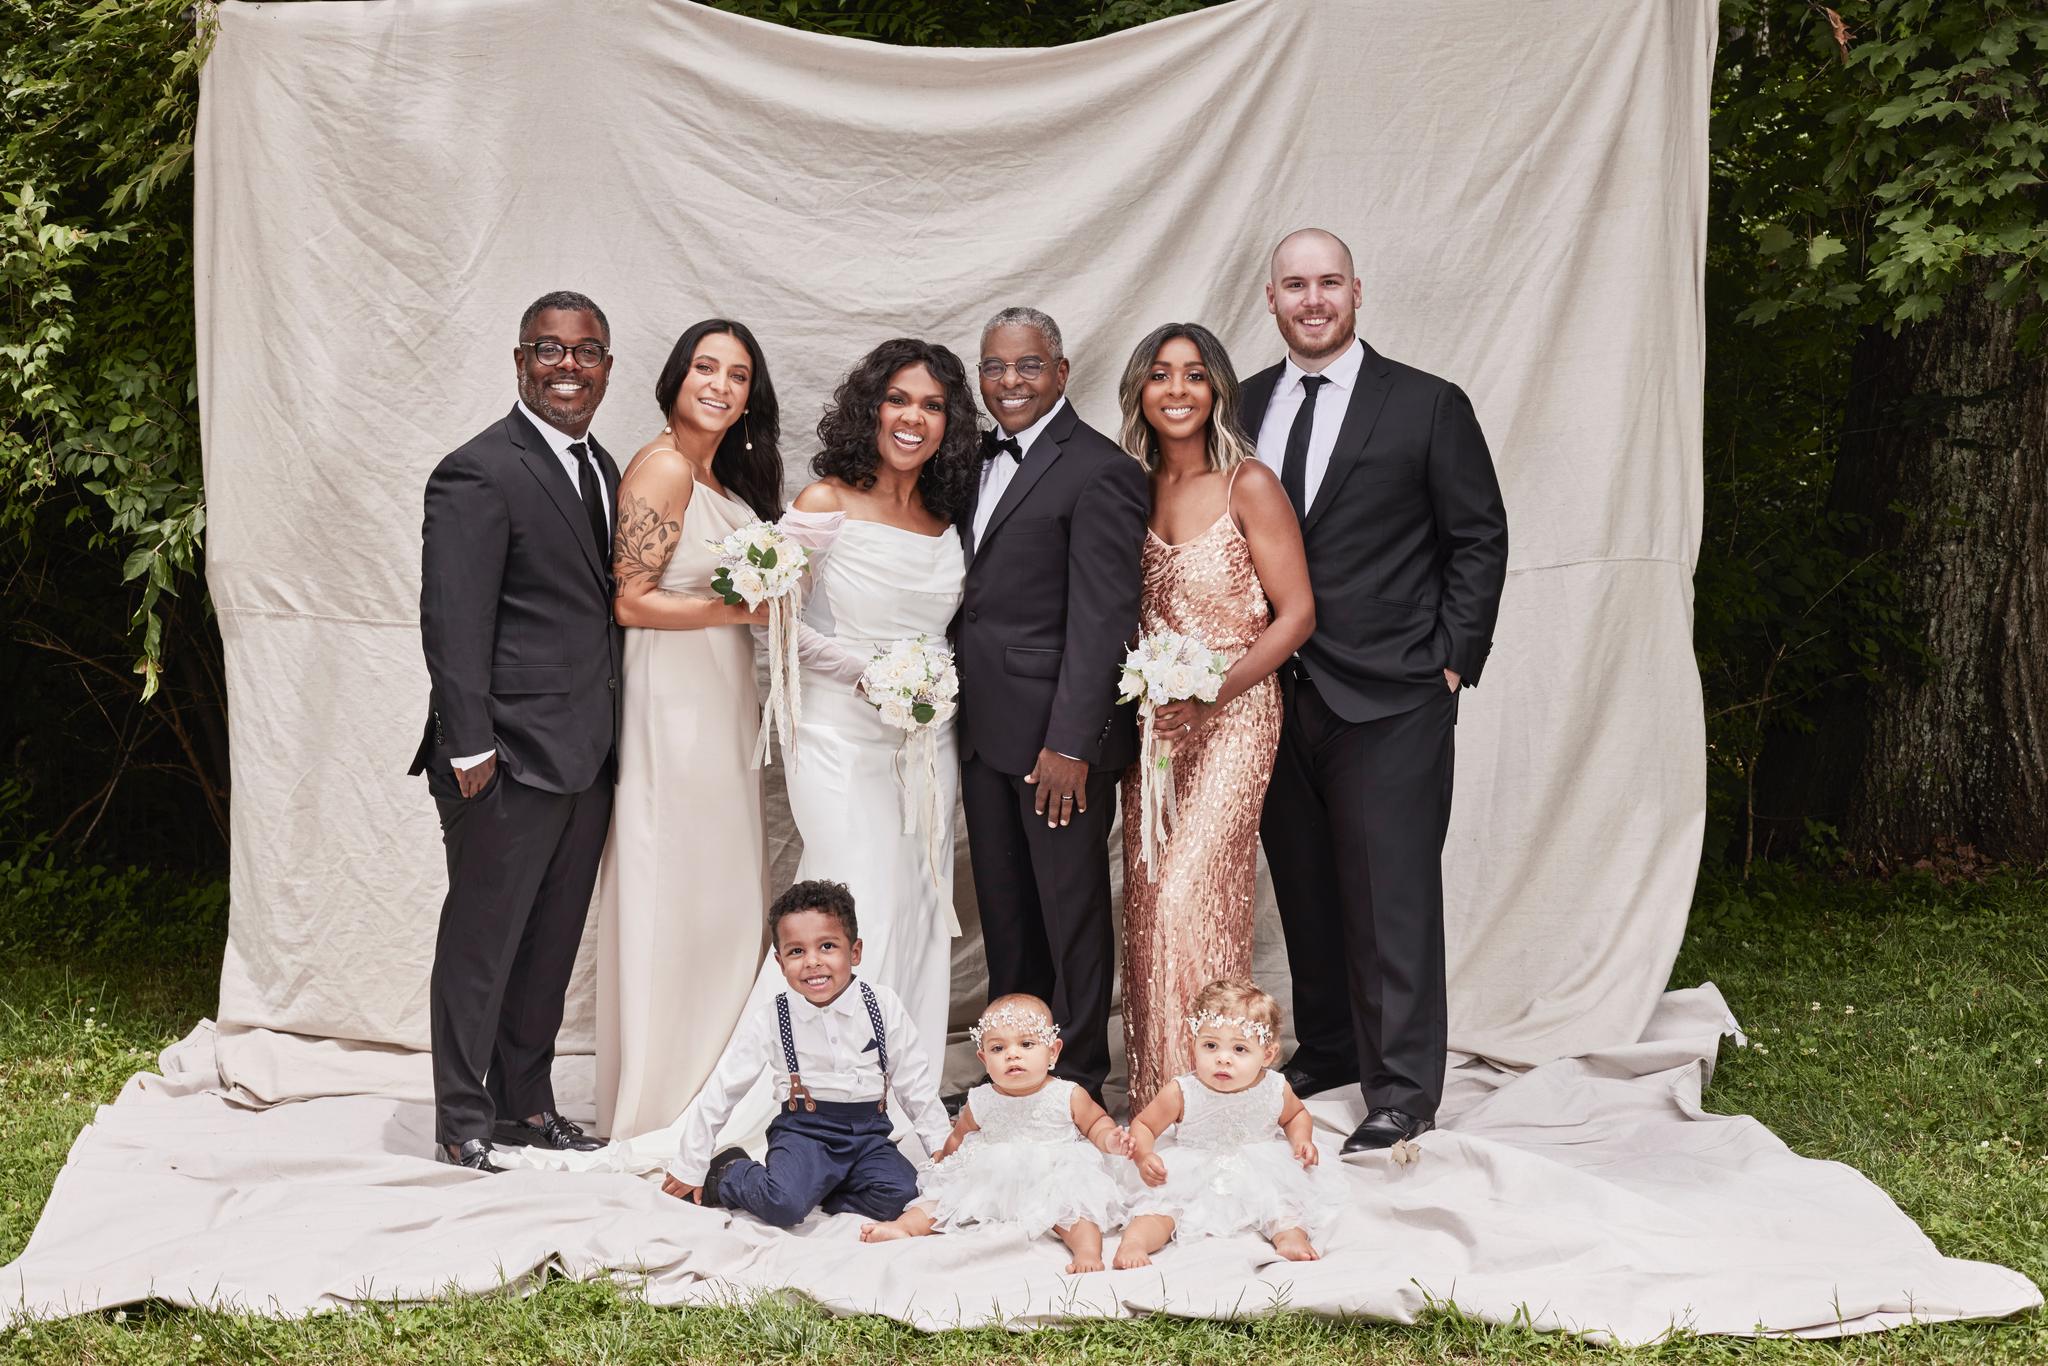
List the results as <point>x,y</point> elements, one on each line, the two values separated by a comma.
<point>746,430</point>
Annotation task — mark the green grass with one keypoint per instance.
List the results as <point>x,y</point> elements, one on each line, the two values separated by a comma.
<point>1921,1066</point>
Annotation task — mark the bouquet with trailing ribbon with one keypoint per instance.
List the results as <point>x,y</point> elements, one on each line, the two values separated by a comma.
<point>1165,666</point>
<point>760,563</point>
<point>914,686</point>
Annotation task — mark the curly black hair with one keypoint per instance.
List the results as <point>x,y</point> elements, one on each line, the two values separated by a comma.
<point>847,430</point>
<point>820,895</point>
<point>749,456</point>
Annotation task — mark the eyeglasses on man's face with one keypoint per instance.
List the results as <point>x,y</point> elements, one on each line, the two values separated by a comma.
<point>1031,367</point>
<point>589,355</point>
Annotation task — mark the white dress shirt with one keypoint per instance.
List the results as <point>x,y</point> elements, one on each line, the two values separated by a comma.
<point>1322,437</point>
<point>999,470</point>
<point>558,442</point>
<point>835,1059</point>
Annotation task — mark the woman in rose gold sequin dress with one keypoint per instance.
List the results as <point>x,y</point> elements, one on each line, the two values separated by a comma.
<point>1223,562</point>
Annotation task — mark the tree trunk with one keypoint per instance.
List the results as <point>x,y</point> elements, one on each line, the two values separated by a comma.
<point>1945,457</point>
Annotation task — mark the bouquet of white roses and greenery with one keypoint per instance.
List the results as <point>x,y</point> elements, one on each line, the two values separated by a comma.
<point>1164,666</point>
<point>915,687</point>
<point>760,563</point>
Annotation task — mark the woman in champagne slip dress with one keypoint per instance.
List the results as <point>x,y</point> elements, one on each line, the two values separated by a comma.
<point>684,878</point>
<point>1223,563</point>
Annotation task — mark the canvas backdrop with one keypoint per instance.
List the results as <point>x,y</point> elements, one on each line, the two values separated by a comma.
<point>383,187</point>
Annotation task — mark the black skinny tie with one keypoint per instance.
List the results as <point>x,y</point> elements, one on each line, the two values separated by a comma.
<point>588,485</point>
<point>1294,464</point>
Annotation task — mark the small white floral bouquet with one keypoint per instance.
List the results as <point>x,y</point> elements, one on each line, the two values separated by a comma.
<point>915,687</point>
<point>1165,666</point>
<point>760,563</point>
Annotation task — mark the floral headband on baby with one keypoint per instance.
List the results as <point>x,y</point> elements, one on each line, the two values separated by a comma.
<point>1251,1029</point>
<point>1022,1019</point>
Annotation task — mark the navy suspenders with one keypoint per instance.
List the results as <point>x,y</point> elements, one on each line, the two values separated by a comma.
<point>797,1090</point>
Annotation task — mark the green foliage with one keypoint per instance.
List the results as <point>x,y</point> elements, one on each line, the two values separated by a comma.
<point>1858,176</point>
<point>1893,144</point>
<point>96,286</point>
<point>50,907</point>
<point>963,23</point>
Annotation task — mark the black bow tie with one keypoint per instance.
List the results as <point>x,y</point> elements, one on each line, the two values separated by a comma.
<point>1006,444</point>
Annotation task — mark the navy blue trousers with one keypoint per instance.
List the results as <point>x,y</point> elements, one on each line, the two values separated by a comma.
<point>837,1158</point>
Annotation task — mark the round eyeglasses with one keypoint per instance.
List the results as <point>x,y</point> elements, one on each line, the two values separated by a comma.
<point>589,355</point>
<point>1031,367</point>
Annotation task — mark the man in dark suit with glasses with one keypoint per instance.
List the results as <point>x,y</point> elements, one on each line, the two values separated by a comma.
<point>523,654</point>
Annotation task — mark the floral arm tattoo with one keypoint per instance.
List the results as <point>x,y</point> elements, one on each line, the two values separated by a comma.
<point>644,543</point>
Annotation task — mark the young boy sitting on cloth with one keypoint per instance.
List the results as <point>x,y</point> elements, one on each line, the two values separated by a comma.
<point>837,1047</point>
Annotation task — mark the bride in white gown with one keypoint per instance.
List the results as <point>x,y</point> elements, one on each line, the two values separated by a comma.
<point>898,438</point>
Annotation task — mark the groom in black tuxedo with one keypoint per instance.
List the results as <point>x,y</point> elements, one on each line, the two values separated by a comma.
<point>1407,553</point>
<point>523,654</point>
<point>1054,526</point>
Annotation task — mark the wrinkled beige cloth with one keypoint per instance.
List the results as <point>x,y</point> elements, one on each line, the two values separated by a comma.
<point>382,188</point>
<point>1590,1195</point>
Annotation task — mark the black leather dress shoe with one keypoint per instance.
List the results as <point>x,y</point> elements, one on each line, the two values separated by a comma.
<point>1385,1126</point>
<point>720,1161</point>
<point>1307,1083</point>
<point>473,1153</point>
<point>553,1131</point>
<point>955,1102</point>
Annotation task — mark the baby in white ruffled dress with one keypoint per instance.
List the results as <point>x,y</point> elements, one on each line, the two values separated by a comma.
<point>1028,1149</point>
<point>1244,1155</point>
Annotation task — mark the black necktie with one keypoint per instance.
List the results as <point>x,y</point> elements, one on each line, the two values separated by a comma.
<point>1294,465</point>
<point>1006,444</point>
<point>588,485</point>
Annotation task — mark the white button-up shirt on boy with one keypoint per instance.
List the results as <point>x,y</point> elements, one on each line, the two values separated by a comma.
<point>835,1056</point>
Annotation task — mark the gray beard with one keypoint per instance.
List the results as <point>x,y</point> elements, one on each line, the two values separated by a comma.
<point>537,398</point>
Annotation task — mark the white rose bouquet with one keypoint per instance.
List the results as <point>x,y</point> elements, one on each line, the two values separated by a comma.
<point>1164,667</point>
<point>759,563</point>
<point>915,687</point>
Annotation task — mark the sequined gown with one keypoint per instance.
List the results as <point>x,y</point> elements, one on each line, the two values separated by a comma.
<point>1192,923</point>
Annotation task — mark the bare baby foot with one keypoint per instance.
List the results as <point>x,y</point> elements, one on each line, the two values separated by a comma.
<point>1128,1257</point>
<point>1295,1246</point>
<point>1085,1261</point>
<point>883,1233</point>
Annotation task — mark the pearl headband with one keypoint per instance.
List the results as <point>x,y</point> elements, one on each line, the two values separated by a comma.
<point>1022,1019</point>
<point>1251,1029</point>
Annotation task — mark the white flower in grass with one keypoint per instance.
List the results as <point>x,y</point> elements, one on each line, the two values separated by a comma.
<point>1848,1010</point>
<point>120,1316</point>
<point>1814,1006</point>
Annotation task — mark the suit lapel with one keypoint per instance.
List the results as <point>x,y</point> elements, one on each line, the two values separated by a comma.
<point>1253,399</point>
<point>540,462</point>
<point>1360,416</point>
<point>1044,451</point>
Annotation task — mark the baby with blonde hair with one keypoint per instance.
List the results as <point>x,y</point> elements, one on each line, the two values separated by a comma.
<point>1244,1153</point>
<point>1028,1149</point>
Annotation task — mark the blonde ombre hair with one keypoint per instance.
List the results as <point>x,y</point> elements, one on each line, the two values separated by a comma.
<point>1228,998</point>
<point>1225,446</point>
